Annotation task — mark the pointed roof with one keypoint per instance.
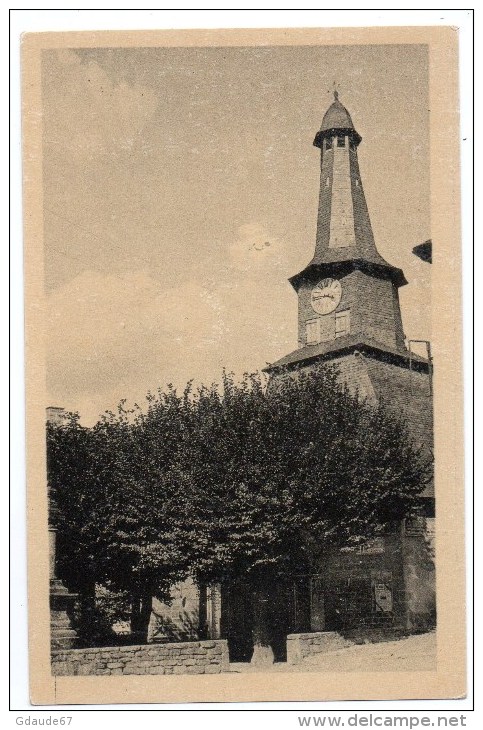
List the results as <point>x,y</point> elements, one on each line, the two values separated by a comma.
<point>424,251</point>
<point>336,116</point>
<point>360,251</point>
<point>336,119</point>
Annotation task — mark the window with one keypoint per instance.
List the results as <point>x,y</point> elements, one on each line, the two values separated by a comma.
<point>340,141</point>
<point>328,144</point>
<point>313,331</point>
<point>342,323</point>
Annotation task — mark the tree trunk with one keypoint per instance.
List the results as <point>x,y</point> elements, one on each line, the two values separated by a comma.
<point>262,650</point>
<point>140,615</point>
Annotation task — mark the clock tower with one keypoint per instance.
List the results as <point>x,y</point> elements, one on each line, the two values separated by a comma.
<point>349,315</point>
<point>348,294</point>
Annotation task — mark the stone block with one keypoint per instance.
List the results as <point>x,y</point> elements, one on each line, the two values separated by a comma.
<point>63,669</point>
<point>302,645</point>
<point>89,668</point>
<point>213,669</point>
<point>142,662</point>
<point>207,644</point>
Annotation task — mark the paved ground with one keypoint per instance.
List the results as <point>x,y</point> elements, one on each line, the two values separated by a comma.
<point>414,653</point>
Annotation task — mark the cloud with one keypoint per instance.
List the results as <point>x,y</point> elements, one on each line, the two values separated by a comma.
<point>118,336</point>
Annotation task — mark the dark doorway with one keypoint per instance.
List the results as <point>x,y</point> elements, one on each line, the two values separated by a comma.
<point>238,617</point>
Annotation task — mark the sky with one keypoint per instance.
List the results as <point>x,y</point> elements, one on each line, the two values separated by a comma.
<point>181,192</point>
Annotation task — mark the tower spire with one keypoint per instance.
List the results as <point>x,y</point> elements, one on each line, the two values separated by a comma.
<point>344,231</point>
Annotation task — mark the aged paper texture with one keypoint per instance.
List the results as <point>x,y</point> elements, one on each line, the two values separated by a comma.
<point>171,190</point>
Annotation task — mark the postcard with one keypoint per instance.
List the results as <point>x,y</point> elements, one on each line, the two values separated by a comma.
<point>244,365</point>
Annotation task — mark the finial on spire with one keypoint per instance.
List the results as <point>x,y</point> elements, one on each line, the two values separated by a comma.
<point>336,93</point>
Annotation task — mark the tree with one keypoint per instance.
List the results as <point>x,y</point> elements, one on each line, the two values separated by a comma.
<point>118,506</point>
<point>73,467</point>
<point>277,476</point>
<point>238,482</point>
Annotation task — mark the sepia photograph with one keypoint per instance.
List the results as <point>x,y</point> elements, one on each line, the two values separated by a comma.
<point>238,364</point>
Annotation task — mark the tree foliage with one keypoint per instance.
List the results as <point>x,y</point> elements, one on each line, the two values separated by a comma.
<point>227,482</point>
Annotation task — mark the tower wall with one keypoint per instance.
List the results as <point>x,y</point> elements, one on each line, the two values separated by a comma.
<point>374,310</point>
<point>405,392</point>
<point>342,231</point>
<point>325,201</point>
<point>343,216</point>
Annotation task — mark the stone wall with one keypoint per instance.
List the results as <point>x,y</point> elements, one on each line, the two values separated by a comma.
<point>300,646</point>
<point>419,573</point>
<point>194,657</point>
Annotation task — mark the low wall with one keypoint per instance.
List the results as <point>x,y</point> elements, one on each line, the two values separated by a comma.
<point>193,657</point>
<point>300,646</point>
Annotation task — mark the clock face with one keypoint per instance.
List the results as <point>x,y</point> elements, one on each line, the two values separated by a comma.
<point>325,296</point>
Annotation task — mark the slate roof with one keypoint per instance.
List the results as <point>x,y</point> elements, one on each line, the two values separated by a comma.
<point>336,117</point>
<point>343,346</point>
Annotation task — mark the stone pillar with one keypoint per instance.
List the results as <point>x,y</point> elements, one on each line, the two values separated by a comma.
<point>213,612</point>
<point>62,635</point>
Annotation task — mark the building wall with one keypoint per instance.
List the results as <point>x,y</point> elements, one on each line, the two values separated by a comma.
<point>343,217</point>
<point>419,573</point>
<point>374,310</point>
<point>192,613</point>
<point>386,582</point>
<point>179,620</point>
<point>351,578</point>
<point>342,210</point>
<point>402,559</point>
<point>407,392</point>
<point>325,200</point>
